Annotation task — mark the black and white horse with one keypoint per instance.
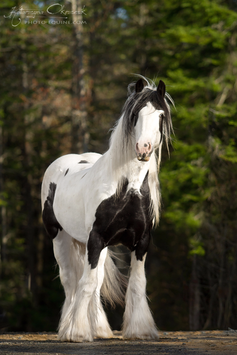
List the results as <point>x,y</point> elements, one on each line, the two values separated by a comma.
<point>92,201</point>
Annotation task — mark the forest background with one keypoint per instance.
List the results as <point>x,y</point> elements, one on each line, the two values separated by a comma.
<point>63,83</point>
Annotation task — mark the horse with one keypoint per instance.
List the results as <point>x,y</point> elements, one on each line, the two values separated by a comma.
<point>92,201</point>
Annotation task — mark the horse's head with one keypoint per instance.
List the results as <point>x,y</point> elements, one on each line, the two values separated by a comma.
<point>147,118</point>
<point>148,128</point>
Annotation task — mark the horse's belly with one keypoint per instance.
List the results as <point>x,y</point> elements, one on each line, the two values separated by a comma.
<point>70,212</point>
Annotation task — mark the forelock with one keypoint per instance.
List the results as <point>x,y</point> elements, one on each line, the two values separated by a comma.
<point>135,104</point>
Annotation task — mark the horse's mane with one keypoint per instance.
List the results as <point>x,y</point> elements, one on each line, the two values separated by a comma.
<point>125,125</point>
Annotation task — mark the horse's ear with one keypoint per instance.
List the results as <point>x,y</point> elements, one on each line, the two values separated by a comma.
<point>161,88</point>
<point>139,85</point>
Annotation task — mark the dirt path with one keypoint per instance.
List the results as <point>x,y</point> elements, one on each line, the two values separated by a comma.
<point>208,342</point>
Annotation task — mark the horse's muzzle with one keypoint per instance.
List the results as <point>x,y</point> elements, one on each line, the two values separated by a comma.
<point>144,151</point>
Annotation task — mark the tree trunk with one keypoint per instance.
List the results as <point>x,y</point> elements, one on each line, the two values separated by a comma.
<point>2,207</point>
<point>194,298</point>
<point>26,177</point>
<point>80,134</point>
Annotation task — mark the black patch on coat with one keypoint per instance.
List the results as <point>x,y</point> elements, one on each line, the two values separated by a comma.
<point>66,172</point>
<point>124,219</point>
<point>50,222</point>
<point>83,162</point>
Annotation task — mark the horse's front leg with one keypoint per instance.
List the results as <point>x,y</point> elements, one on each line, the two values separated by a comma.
<point>79,322</point>
<point>138,321</point>
<point>97,312</point>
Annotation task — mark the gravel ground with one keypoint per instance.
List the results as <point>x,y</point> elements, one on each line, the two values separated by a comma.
<point>201,342</point>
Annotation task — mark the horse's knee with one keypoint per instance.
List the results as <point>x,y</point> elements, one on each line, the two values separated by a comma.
<point>88,287</point>
<point>67,279</point>
<point>142,247</point>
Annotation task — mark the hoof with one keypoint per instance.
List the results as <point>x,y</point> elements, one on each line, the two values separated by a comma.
<point>144,336</point>
<point>104,334</point>
<point>75,337</point>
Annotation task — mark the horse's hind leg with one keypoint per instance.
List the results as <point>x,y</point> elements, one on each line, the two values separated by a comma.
<point>138,321</point>
<point>70,257</point>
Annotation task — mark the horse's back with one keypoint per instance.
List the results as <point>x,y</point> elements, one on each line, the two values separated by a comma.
<point>66,164</point>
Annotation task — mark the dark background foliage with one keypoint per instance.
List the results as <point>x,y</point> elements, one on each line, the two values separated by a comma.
<point>63,84</point>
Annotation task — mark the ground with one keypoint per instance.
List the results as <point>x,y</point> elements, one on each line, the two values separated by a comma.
<point>200,342</point>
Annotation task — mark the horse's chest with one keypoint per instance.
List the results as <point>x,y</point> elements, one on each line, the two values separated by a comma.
<point>123,219</point>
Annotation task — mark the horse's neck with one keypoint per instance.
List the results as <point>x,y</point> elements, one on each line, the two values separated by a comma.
<point>122,161</point>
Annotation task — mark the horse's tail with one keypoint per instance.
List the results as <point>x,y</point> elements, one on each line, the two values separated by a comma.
<point>115,283</point>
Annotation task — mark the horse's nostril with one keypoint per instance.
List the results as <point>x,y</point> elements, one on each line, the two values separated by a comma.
<point>143,150</point>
